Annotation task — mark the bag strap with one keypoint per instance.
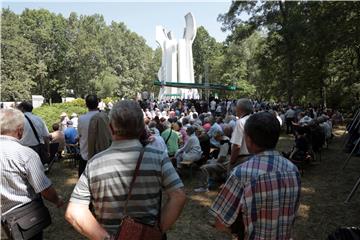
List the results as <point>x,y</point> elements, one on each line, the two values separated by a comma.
<point>33,128</point>
<point>136,173</point>
<point>168,136</point>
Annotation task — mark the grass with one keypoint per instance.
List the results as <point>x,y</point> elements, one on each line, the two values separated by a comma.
<point>322,210</point>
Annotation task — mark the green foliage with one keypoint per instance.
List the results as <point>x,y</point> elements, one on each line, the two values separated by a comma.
<point>44,53</point>
<point>78,102</point>
<point>51,113</point>
<point>309,52</point>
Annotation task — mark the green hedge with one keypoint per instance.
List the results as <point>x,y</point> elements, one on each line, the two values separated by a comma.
<point>51,113</point>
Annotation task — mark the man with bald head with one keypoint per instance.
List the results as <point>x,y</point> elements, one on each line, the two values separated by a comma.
<point>239,151</point>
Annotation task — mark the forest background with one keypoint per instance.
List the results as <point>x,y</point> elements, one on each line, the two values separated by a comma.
<point>295,52</point>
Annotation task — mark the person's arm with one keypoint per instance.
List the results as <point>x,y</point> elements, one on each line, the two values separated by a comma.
<point>80,217</point>
<point>172,209</point>
<point>51,195</point>
<point>235,150</point>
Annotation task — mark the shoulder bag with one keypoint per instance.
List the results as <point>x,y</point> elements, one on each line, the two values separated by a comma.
<point>134,229</point>
<point>26,221</point>
<point>40,149</point>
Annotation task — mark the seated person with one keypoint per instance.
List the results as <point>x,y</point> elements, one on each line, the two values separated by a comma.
<point>71,138</point>
<point>57,136</point>
<point>300,151</point>
<point>216,169</point>
<point>204,141</point>
<point>214,128</point>
<point>191,150</point>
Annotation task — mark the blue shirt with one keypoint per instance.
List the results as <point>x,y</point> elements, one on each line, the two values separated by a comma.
<point>70,135</point>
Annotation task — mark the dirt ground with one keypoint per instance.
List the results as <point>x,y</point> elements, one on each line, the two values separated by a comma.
<point>324,188</point>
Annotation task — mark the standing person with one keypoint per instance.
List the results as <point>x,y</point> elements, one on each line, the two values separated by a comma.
<point>213,107</point>
<point>107,177</point>
<point>289,118</point>
<point>36,134</point>
<point>171,138</point>
<point>83,130</point>
<point>261,197</point>
<point>239,151</point>
<point>23,178</point>
<point>99,135</point>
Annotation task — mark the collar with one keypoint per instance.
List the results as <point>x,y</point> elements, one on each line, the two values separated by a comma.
<point>268,153</point>
<point>9,138</point>
<point>126,143</point>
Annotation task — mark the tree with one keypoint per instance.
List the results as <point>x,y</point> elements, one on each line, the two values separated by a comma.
<point>17,60</point>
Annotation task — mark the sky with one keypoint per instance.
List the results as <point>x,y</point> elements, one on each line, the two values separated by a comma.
<point>141,16</point>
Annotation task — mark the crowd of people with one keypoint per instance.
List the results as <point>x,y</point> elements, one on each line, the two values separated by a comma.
<point>232,141</point>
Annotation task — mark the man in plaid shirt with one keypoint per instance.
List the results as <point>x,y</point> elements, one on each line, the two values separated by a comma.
<point>261,197</point>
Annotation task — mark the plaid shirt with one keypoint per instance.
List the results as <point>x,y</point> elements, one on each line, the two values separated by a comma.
<point>266,191</point>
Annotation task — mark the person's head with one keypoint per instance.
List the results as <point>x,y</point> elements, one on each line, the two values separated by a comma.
<point>126,120</point>
<point>55,127</point>
<point>190,130</point>
<point>195,116</point>
<point>218,135</point>
<point>176,126</point>
<point>69,123</point>
<point>25,107</point>
<point>262,131</point>
<point>92,102</point>
<point>185,121</point>
<point>12,122</point>
<point>244,107</point>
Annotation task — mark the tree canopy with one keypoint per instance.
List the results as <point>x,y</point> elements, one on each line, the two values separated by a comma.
<point>44,53</point>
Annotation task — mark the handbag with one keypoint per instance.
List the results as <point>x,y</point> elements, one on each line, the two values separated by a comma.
<point>26,221</point>
<point>132,228</point>
<point>40,149</point>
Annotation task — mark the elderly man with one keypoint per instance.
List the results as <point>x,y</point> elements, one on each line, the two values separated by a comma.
<point>261,197</point>
<point>106,180</point>
<point>239,151</point>
<point>23,178</point>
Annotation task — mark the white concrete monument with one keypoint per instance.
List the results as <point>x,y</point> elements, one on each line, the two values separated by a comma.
<point>177,60</point>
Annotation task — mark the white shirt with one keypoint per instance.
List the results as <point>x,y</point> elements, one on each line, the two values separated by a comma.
<point>29,138</point>
<point>22,174</point>
<point>238,135</point>
<point>83,130</point>
<point>75,122</point>
<point>212,105</point>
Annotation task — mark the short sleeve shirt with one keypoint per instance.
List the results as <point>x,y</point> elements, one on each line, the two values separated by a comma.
<point>29,138</point>
<point>238,135</point>
<point>22,174</point>
<point>265,191</point>
<point>106,179</point>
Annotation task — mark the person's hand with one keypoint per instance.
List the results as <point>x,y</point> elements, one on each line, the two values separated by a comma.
<point>60,203</point>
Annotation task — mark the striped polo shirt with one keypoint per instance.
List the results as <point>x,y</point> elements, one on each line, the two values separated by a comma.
<point>106,179</point>
<point>22,174</point>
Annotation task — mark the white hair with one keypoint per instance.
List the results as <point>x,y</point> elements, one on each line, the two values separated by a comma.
<point>10,120</point>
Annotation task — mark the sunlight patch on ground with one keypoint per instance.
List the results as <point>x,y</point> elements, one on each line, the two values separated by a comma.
<point>71,181</point>
<point>202,200</point>
<point>303,211</point>
<point>307,190</point>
